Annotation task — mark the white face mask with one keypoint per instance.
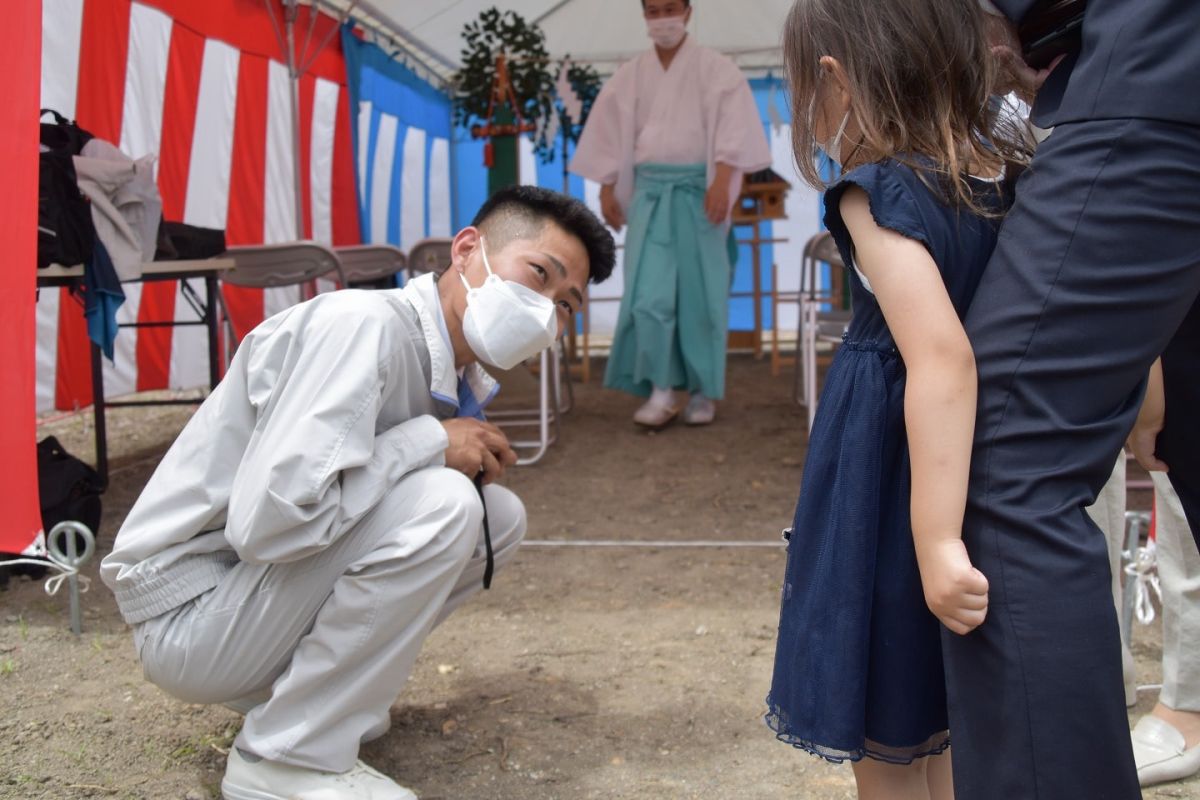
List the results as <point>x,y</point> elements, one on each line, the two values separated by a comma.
<point>832,148</point>
<point>505,322</point>
<point>667,32</point>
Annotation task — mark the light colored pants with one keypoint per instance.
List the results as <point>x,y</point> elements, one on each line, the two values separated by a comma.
<point>1179,573</point>
<point>1108,512</point>
<point>319,649</point>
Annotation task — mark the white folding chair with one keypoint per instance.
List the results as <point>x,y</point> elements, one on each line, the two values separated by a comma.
<point>821,318</point>
<point>371,266</point>
<point>546,416</point>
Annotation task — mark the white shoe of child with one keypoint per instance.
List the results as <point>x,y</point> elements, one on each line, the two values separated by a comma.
<point>271,780</point>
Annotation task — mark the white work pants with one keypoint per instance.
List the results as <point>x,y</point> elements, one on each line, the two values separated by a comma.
<point>319,649</point>
<point>1179,572</point>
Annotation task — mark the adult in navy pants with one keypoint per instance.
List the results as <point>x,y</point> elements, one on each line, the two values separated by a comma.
<point>1096,268</point>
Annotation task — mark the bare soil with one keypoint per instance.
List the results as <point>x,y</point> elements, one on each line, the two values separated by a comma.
<point>586,672</point>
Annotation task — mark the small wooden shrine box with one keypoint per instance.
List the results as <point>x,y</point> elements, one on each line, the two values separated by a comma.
<point>762,197</point>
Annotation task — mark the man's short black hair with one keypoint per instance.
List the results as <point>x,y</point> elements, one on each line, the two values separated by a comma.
<point>520,212</point>
<point>686,3</point>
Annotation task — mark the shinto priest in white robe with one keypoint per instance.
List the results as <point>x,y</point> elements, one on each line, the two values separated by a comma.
<point>657,135</point>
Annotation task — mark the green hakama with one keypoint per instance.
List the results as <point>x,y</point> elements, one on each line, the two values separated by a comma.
<point>674,318</point>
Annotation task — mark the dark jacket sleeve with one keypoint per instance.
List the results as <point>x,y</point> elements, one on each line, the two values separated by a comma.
<point>1015,10</point>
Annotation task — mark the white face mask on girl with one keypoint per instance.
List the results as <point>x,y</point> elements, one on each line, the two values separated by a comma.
<point>505,322</point>
<point>667,32</point>
<point>832,148</point>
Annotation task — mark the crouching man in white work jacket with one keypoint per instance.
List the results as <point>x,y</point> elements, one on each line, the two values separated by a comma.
<point>318,516</point>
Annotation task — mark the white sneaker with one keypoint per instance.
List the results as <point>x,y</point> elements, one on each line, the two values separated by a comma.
<point>271,780</point>
<point>700,410</point>
<point>1161,753</point>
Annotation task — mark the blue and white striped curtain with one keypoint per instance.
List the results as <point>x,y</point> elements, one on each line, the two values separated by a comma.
<point>401,129</point>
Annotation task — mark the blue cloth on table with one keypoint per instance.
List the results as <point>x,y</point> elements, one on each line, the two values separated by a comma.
<point>102,296</point>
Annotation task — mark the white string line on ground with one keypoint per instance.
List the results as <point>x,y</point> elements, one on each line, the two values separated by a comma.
<point>646,543</point>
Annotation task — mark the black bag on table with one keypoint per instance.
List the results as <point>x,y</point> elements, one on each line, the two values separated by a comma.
<point>65,230</point>
<point>179,241</point>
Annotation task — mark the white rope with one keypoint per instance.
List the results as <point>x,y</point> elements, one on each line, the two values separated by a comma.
<point>649,543</point>
<point>1143,570</point>
<point>54,581</point>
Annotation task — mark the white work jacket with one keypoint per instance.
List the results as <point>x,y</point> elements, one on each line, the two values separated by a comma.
<point>326,406</point>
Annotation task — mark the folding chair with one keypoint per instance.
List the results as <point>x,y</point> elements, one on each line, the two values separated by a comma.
<point>429,255</point>
<point>821,317</point>
<point>272,265</point>
<point>552,376</point>
<point>287,264</point>
<point>372,266</point>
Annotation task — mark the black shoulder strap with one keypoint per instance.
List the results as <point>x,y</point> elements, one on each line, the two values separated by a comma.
<point>487,536</point>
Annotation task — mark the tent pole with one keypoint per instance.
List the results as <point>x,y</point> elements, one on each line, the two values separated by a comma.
<point>290,15</point>
<point>286,37</point>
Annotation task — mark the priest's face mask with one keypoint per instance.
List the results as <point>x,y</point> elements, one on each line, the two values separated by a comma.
<point>666,21</point>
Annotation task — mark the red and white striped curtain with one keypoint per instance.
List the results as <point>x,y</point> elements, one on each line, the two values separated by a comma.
<point>19,46</point>
<point>203,86</point>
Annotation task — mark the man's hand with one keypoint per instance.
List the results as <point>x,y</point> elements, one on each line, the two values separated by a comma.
<point>1014,74</point>
<point>477,447</point>
<point>955,591</point>
<point>1142,442</point>
<point>1143,439</point>
<point>610,209</point>
<point>716,201</point>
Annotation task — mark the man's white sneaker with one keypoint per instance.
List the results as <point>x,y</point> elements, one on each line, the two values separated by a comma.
<point>271,780</point>
<point>700,410</point>
<point>1160,752</point>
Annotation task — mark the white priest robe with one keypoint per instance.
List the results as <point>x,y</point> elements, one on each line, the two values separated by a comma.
<point>658,134</point>
<point>700,110</point>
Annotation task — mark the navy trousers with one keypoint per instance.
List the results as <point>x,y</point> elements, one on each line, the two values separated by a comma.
<point>1096,268</point>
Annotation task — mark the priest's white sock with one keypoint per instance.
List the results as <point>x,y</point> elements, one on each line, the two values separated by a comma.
<point>663,397</point>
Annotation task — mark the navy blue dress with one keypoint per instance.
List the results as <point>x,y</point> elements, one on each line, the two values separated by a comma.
<point>858,663</point>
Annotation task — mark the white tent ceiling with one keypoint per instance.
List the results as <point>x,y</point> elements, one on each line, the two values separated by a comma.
<point>601,32</point>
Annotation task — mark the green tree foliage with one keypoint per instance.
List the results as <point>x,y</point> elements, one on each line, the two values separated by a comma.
<point>525,47</point>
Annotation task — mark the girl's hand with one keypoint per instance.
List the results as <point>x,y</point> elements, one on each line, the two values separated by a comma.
<point>955,591</point>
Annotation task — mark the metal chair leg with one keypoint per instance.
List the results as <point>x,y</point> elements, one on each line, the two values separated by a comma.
<point>563,380</point>
<point>543,421</point>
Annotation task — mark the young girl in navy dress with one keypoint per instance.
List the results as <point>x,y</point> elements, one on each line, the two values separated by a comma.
<point>898,92</point>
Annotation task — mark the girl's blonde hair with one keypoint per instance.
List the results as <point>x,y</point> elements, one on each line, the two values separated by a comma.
<point>921,79</point>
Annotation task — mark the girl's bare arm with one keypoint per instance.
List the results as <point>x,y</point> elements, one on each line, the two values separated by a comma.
<point>939,407</point>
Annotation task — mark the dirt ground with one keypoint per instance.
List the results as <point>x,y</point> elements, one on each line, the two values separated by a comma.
<point>586,672</point>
